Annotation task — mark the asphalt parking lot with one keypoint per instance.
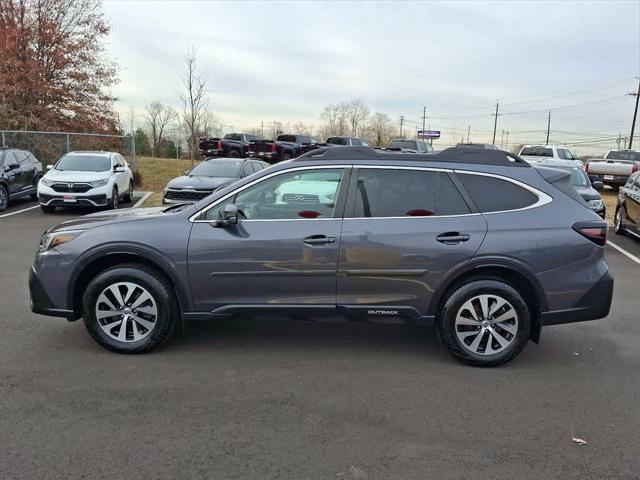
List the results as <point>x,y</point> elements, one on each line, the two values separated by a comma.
<point>260,399</point>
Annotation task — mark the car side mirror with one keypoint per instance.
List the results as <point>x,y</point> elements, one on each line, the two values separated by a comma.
<point>229,215</point>
<point>12,166</point>
<point>49,167</point>
<point>598,185</point>
<point>187,172</point>
<point>118,169</point>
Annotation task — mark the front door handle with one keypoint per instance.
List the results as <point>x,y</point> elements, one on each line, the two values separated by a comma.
<point>319,240</point>
<point>452,238</point>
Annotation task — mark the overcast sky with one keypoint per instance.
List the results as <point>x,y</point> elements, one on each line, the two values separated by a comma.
<point>284,61</point>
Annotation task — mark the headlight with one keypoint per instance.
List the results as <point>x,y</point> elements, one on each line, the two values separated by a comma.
<point>46,181</point>
<point>596,204</point>
<point>52,240</point>
<point>99,183</point>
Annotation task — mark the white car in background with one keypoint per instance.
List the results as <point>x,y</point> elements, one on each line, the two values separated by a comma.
<point>540,154</point>
<point>86,179</point>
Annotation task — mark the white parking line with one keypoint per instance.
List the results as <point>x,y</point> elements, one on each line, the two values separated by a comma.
<point>142,200</point>
<point>19,211</point>
<point>624,252</point>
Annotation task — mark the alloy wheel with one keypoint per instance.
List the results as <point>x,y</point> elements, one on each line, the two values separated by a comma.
<point>126,312</point>
<point>114,200</point>
<point>3,199</point>
<point>617,221</point>
<point>486,324</point>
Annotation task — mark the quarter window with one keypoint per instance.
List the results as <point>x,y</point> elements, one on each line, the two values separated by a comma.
<point>406,193</point>
<point>493,194</point>
<point>299,195</point>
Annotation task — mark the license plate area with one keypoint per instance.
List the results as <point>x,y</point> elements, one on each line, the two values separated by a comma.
<point>608,177</point>
<point>69,199</point>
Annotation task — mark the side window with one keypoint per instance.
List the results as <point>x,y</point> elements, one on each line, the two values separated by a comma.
<point>21,157</point>
<point>496,195</point>
<point>406,193</point>
<point>637,177</point>
<point>11,159</point>
<point>247,169</point>
<point>296,195</point>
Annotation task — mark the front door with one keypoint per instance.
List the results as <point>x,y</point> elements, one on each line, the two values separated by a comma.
<point>404,229</point>
<point>632,202</point>
<point>283,250</point>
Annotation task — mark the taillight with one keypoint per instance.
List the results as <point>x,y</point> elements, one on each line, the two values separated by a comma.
<point>594,231</point>
<point>634,169</point>
<point>219,145</point>
<point>273,148</point>
<point>586,167</point>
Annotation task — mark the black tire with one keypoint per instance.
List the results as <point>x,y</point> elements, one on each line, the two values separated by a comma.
<point>4,198</point>
<point>234,154</point>
<point>618,226</point>
<point>159,289</point>
<point>454,303</point>
<point>48,208</point>
<point>113,205</point>
<point>33,196</point>
<point>286,156</point>
<point>128,198</point>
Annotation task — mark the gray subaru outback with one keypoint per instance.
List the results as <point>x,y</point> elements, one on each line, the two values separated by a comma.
<point>476,242</point>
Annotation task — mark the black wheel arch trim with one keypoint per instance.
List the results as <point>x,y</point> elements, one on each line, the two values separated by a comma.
<point>486,262</point>
<point>154,257</point>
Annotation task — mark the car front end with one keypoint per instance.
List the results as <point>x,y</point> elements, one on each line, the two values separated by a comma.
<point>191,189</point>
<point>68,190</point>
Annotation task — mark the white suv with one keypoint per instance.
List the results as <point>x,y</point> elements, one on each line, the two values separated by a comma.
<point>86,179</point>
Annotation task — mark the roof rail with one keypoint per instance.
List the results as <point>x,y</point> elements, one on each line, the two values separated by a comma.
<point>453,155</point>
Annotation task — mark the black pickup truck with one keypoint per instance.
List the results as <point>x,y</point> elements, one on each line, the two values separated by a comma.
<point>283,147</point>
<point>232,145</point>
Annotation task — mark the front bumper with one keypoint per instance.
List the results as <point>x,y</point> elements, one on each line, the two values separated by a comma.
<point>95,197</point>
<point>40,301</point>
<point>594,304</point>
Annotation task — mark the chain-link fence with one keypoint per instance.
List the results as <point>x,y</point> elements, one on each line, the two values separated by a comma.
<point>49,146</point>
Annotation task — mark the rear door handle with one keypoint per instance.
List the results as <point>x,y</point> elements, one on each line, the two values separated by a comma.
<point>451,238</point>
<point>319,240</point>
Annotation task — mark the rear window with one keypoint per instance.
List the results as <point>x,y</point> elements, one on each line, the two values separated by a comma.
<point>408,144</point>
<point>537,152</point>
<point>493,194</point>
<point>286,138</point>
<point>233,136</point>
<point>337,141</point>
<point>629,156</point>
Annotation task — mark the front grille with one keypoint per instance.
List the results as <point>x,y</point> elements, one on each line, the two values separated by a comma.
<point>300,198</point>
<point>64,187</point>
<point>187,195</point>
<point>81,201</point>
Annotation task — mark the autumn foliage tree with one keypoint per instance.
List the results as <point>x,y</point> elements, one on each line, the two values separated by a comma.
<point>54,72</point>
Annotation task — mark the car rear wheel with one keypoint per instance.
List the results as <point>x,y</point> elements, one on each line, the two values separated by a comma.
<point>4,198</point>
<point>485,323</point>
<point>234,154</point>
<point>129,196</point>
<point>286,156</point>
<point>129,309</point>
<point>618,227</point>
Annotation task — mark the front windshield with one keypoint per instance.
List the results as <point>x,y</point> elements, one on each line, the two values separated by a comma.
<point>84,163</point>
<point>579,178</point>
<point>217,168</point>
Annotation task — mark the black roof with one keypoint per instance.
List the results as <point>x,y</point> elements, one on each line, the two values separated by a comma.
<point>453,155</point>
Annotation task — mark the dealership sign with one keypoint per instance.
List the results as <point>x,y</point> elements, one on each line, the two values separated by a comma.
<point>429,133</point>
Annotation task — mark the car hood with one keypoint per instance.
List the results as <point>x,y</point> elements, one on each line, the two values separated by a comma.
<point>199,183</point>
<point>71,176</point>
<point>108,217</point>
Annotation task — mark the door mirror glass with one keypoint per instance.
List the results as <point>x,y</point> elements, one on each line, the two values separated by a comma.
<point>118,169</point>
<point>598,185</point>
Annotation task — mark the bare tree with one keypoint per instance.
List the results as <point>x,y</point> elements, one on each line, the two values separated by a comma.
<point>344,118</point>
<point>379,129</point>
<point>158,117</point>
<point>356,114</point>
<point>194,101</point>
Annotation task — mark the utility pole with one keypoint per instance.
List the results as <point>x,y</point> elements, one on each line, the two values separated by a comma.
<point>261,129</point>
<point>468,132</point>
<point>506,142</point>
<point>548,126</point>
<point>635,115</point>
<point>495,123</point>
<point>401,123</point>
<point>502,139</point>
<point>424,118</point>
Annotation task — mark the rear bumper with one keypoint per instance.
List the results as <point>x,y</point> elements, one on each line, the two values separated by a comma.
<point>267,156</point>
<point>594,304</point>
<point>40,301</point>
<point>617,180</point>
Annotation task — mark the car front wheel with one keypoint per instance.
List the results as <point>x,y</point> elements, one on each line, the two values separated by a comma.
<point>129,309</point>
<point>113,204</point>
<point>485,323</point>
<point>129,196</point>
<point>4,198</point>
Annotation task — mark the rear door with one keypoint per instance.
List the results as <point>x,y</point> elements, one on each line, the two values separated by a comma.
<point>15,174</point>
<point>405,228</point>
